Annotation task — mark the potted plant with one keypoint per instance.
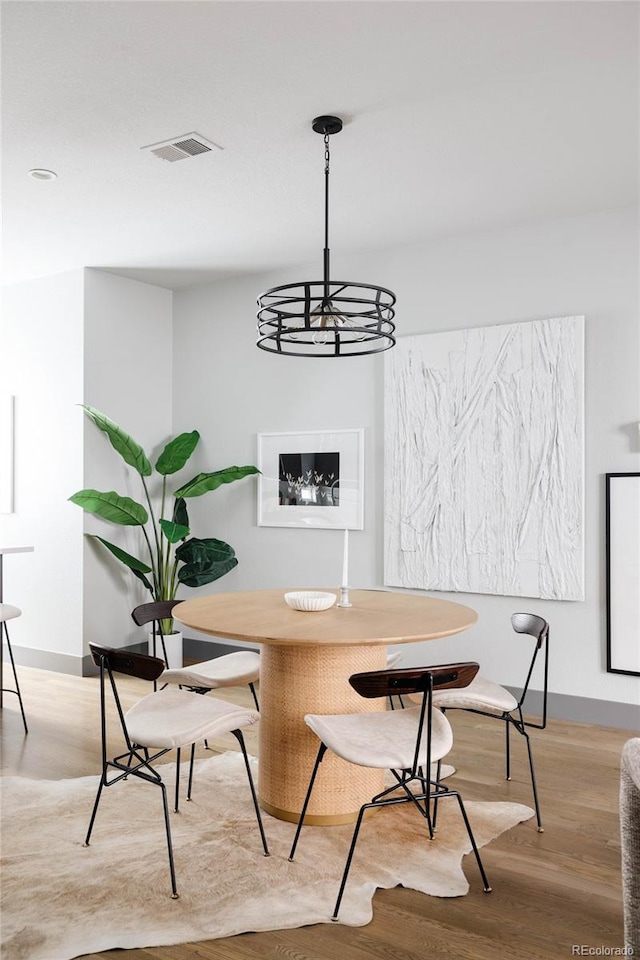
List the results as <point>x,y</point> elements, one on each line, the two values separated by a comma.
<point>173,556</point>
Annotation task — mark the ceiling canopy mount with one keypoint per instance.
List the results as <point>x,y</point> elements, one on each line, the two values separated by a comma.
<point>327,125</point>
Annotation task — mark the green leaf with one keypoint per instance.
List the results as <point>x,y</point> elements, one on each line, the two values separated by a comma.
<point>177,452</point>
<point>130,451</point>
<point>173,531</point>
<point>112,507</point>
<point>211,481</point>
<point>132,562</point>
<point>144,580</point>
<point>204,561</point>
<point>136,566</point>
<point>180,514</point>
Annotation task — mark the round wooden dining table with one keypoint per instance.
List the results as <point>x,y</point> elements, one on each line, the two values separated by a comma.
<point>306,661</point>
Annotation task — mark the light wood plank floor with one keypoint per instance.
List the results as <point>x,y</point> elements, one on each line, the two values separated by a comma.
<point>551,890</point>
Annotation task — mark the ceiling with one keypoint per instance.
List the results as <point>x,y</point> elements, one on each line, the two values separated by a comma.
<point>459,117</point>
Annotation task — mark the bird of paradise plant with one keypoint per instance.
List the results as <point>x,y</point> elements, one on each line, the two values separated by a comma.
<point>174,557</point>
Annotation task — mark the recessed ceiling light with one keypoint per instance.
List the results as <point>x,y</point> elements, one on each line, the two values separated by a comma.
<point>39,174</point>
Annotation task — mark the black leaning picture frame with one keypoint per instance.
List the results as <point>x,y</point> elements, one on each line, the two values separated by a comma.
<point>622,532</point>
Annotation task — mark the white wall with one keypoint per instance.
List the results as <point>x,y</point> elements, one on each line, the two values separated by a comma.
<point>65,335</point>
<point>82,337</point>
<point>128,376</point>
<point>230,391</point>
<point>41,343</point>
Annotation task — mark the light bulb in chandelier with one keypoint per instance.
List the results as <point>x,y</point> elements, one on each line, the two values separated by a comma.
<point>327,321</point>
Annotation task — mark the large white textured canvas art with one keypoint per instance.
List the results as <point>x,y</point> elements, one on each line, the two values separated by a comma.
<point>484,470</point>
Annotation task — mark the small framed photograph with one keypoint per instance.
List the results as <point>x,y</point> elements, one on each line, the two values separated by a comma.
<point>623,572</point>
<point>311,479</point>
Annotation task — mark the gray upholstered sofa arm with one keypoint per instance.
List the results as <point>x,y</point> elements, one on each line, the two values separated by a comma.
<point>630,839</point>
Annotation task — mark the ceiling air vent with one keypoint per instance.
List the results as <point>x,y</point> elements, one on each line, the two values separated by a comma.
<point>179,148</point>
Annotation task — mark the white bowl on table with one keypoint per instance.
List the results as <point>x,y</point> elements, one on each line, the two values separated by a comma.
<point>310,601</point>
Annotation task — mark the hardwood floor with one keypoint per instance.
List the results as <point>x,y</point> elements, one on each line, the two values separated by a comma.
<point>552,891</point>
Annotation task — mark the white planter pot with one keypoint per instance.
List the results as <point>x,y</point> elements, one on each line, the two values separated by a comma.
<point>173,644</point>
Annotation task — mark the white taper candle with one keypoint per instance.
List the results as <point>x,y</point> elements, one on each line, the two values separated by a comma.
<point>345,560</point>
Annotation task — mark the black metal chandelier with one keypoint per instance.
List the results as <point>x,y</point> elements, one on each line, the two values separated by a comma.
<point>326,318</point>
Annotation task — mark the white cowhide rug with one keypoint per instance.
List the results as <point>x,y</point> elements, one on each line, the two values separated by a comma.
<point>61,900</point>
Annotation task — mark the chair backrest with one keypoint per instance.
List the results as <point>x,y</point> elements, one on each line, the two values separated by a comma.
<point>157,610</point>
<point>113,661</point>
<point>154,613</point>
<point>121,661</point>
<point>531,624</point>
<point>385,683</point>
<point>538,628</point>
<point>424,680</point>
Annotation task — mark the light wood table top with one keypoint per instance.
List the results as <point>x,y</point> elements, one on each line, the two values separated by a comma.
<point>305,665</point>
<point>375,617</point>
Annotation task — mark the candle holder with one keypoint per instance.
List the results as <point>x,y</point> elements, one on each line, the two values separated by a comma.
<point>344,598</point>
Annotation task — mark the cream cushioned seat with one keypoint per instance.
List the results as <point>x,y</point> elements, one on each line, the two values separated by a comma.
<point>9,612</point>
<point>173,718</point>
<point>381,740</point>
<point>229,670</point>
<point>481,694</point>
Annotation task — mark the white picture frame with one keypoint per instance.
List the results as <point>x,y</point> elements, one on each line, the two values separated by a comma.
<point>7,443</point>
<point>311,479</point>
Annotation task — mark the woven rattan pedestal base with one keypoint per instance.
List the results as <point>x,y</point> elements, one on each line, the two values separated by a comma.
<point>294,681</point>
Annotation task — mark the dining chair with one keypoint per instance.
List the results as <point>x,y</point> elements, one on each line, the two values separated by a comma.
<point>489,699</point>
<point>164,720</point>
<point>9,612</point>
<point>228,670</point>
<point>406,742</point>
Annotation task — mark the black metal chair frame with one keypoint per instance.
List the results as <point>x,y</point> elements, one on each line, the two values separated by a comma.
<point>5,632</point>
<point>388,683</point>
<point>154,613</point>
<point>135,760</point>
<point>518,721</point>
